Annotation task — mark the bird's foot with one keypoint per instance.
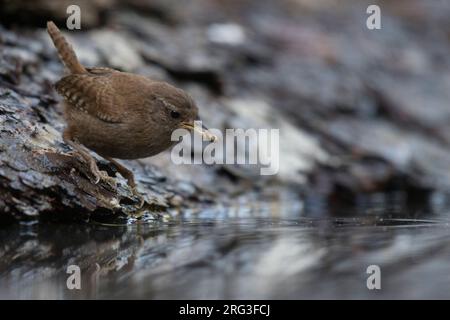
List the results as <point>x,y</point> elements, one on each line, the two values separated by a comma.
<point>129,176</point>
<point>139,196</point>
<point>102,176</point>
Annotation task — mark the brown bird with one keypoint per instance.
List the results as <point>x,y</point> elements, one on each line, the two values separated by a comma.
<point>118,114</point>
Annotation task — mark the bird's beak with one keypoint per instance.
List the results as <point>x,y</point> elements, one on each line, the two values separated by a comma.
<point>202,130</point>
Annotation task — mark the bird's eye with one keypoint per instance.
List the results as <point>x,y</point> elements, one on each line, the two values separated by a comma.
<point>174,114</point>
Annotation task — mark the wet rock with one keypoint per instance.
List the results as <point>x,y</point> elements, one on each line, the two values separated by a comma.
<point>39,174</point>
<point>125,56</point>
<point>354,108</point>
<point>294,159</point>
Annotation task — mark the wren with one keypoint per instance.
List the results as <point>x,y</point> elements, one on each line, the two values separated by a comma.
<point>118,114</point>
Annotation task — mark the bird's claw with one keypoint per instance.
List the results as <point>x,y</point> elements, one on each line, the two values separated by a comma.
<point>103,176</point>
<point>97,179</point>
<point>139,196</point>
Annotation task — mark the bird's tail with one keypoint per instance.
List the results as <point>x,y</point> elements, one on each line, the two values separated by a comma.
<point>65,50</point>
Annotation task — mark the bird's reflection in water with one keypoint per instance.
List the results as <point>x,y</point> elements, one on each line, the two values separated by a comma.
<point>265,250</point>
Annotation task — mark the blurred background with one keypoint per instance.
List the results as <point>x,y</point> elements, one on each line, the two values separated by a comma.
<point>364,150</point>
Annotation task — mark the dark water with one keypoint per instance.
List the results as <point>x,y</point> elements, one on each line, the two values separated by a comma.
<point>270,250</point>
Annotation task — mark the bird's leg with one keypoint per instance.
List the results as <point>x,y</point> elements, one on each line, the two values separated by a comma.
<point>127,174</point>
<point>99,175</point>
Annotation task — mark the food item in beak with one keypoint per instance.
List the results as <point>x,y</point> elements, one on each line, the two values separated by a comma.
<point>202,130</point>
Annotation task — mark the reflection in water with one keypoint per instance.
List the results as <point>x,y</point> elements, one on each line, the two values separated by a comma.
<point>268,251</point>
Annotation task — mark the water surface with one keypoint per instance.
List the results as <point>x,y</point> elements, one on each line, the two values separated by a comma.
<point>268,250</point>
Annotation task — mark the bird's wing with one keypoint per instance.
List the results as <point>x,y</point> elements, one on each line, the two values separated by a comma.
<point>93,93</point>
